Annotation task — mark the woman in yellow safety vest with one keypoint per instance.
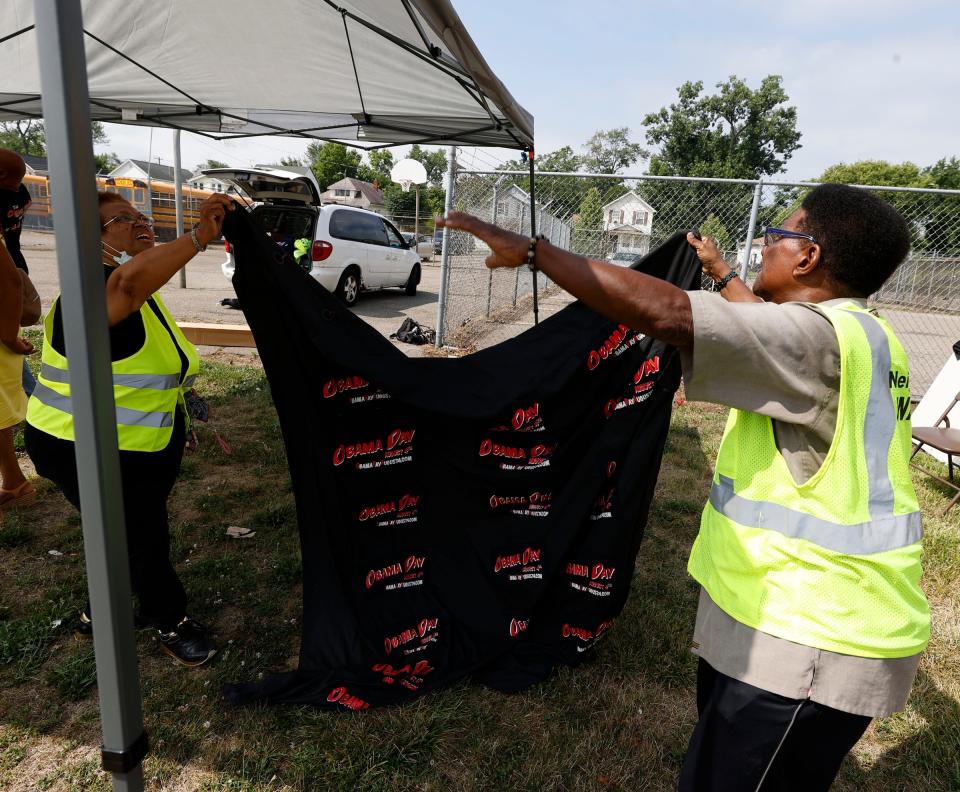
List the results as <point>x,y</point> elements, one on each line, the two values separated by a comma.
<point>811,618</point>
<point>153,367</point>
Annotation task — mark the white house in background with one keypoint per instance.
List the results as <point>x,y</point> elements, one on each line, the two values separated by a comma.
<point>354,192</point>
<point>628,220</point>
<point>756,252</point>
<point>36,166</point>
<point>201,182</point>
<point>142,170</point>
<point>513,212</point>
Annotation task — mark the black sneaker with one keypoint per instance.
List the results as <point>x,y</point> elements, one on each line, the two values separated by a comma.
<point>83,629</point>
<point>189,643</point>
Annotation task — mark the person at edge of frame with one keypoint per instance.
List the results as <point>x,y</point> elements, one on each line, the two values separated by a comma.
<point>14,203</point>
<point>811,619</point>
<point>15,491</point>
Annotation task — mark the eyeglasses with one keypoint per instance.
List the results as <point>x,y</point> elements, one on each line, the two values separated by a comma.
<point>142,219</point>
<point>773,235</point>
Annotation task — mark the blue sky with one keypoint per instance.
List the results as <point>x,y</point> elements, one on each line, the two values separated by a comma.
<point>870,79</point>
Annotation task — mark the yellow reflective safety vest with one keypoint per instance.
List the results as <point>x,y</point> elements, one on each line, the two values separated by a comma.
<point>833,563</point>
<point>147,386</point>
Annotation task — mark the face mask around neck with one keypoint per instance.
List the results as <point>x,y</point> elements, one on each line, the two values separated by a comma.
<point>119,256</point>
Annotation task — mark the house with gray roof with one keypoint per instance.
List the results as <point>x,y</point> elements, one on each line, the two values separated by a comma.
<point>354,192</point>
<point>143,170</point>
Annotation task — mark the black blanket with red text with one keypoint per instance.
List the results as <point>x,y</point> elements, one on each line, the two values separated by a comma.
<point>458,516</point>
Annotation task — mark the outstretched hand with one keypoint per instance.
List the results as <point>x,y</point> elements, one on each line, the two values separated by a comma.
<point>212,212</point>
<point>711,260</point>
<point>507,249</point>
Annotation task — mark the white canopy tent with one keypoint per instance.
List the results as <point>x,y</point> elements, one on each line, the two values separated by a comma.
<point>367,72</point>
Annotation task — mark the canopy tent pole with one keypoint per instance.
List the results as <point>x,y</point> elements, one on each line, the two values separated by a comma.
<point>178,195</point>
<point>63,75</point>
<point>533,233</point>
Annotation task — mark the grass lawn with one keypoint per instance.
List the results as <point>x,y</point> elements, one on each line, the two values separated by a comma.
<point>620,722</point>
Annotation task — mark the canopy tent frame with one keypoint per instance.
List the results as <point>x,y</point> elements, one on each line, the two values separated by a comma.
<point>433,55</point>
<point>66,103</point>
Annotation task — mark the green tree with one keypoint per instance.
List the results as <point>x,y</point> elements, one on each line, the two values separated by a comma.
<point>610,150</point>
<point>28,136</point>
<point>589,238</point>
<point>331,162</point>
<point>106,162</point>
<point>210,164</point>
<point>291,162</point>
<point>945,173</point>
<point>942,228</point>
<point>736,133</point>
<point>25,137</point>
<point>712,227</point>
<point>401,205</point>
<point>934,219</point>
<point>380,162</point>
<point>879,173</point>
<point>562,193</point>
<point>98,133</point>
<point>435,163</point>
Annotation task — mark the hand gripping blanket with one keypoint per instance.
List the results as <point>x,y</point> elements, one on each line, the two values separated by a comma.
<point>458,516</point>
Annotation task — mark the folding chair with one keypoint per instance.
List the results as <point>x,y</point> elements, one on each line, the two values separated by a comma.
<point>944,439</point>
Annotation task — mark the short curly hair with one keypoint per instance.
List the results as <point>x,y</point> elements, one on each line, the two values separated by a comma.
<point>862,238</point>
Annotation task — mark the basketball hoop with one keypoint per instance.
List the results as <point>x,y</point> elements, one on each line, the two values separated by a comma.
<point>408,172</point>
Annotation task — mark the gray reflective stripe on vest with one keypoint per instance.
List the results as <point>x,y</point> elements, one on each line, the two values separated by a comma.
<point>875,536</point>
<point>885,530</point>
<point>144,381</point>
<point>188,382</point>
<point>125,415</point>
<point>881,421</point>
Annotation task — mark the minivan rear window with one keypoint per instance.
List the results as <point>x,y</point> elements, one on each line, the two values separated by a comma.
<point>284,224</point>
<point>357,227</point>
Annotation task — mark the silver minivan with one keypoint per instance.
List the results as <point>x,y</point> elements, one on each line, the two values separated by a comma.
<point>351,249</point>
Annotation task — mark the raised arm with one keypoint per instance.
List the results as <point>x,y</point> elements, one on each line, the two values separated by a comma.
<point>130,285</point>
<point>644,303</point>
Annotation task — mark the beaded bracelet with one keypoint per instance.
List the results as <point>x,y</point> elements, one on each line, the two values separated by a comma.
<point>532,251</point>
<point>196,241</point>
<point>722,283</point>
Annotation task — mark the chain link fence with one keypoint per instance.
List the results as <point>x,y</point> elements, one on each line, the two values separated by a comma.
<point>618,218</point>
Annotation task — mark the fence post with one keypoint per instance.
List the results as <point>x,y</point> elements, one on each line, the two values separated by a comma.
<point>751,230</point>
<point>493,219</point>
<point>445,254</point>
<point>933,271</point>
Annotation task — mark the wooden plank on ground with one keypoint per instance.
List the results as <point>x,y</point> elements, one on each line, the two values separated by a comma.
<point>224,335</point>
